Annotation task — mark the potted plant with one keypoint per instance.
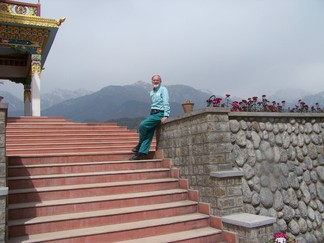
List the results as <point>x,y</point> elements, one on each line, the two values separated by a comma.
<point>281,237</point>
<point>187,106</point>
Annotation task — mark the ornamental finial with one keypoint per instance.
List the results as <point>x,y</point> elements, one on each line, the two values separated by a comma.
<point>61,21</point>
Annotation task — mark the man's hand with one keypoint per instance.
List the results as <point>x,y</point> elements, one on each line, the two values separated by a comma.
<point>163,120</point>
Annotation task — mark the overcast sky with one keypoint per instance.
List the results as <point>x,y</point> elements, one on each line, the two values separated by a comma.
<point>242,47</point>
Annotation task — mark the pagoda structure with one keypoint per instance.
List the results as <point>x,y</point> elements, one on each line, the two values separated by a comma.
<point>25,42</point>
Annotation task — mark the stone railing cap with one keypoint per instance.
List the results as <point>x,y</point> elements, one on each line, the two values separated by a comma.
<point>3,105</point>
<point>216,110</point>
<point>3,191</point>
<point>248,220</point>
<point>276,114</point>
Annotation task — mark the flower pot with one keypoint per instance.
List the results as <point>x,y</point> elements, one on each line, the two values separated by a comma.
<point>188,107</point>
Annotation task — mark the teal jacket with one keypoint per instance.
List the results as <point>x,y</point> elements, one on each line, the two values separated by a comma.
<point>160,99</point>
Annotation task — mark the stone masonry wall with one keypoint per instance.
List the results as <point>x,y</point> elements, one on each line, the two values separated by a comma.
<point>281,155</point>
<point>283,164</point>
<point>3,172</point>
<point>199,143</point>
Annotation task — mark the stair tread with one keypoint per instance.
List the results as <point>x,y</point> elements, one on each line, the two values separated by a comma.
<point>81,163</point>
<point>107,228</point>
<point>57,154</point>
<point>69,143</point>
<point>109,133</point>
<point>174,237</point>
<point>94,199</point>
<point>65,175</point>
<point>99,213</point>
<point>92,185</point>
<point>69,139</point>
<point>68,148</point>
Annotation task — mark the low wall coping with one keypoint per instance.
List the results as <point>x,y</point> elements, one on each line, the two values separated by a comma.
<point>227,173</point>
<point>248,220</point>
<point>226,110</point>
<point>276,114</point>
<point>3,105</point>
<point>3,191</point>
<point>215,110</point>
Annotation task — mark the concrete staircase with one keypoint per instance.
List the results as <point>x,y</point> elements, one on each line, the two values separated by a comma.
<point>73,182</point>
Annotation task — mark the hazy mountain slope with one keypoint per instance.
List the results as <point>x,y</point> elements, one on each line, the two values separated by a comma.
<point>115,102</point>
<point>60,95</point>
<point>101,105</point>
<point>291,96</point>
<point>15,105</point>
<point>178,93</point>
<point>311,100</point>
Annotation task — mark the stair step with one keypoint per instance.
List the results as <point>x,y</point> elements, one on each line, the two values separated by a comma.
<point>67,128</point>
<point>51,122</point>
<point>74,205</point>
<point>78,127</point>
<point>116,232</point>
<point>85,178</point>
<point>203,235</point>
<point>99,217</point>
<point>80,167</point>
<point>87,190</point>
<point>68,132</point>
<point>63,149</point>
<point>67,139</point>
<point>34,119</point>
<point>52,158</point>
<point>110,135</point>
<point>71,144</point>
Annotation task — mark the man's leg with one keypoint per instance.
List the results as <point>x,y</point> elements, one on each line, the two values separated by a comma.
<point>146,131</point>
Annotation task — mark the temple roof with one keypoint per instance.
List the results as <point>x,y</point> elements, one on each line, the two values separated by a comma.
<point>22,33</point>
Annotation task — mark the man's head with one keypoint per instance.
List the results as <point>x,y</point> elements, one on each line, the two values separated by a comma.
<point>156,80</point>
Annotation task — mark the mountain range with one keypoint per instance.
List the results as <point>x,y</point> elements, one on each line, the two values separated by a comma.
<point>111,102</point>
<point>128,101</point>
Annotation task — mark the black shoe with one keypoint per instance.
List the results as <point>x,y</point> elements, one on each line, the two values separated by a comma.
<point>136,148</point>
<point>138,156</point>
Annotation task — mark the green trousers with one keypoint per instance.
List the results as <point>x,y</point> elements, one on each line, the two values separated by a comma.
<point>146,131</point>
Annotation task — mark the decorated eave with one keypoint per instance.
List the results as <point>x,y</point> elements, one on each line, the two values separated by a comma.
<point>22,33</point>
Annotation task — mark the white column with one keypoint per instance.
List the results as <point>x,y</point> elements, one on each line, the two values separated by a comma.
<point>27,100</point>
<point>35,84</point>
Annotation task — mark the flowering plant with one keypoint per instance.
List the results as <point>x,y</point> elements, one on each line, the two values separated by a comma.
<point>216,102</point>
<point>254,105</point>
<point>281,237</point>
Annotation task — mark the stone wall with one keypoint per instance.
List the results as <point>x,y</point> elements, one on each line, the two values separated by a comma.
<point>280,155</point>
<point>282,159</point>
<point>3,172</point>
<point>199,144</point>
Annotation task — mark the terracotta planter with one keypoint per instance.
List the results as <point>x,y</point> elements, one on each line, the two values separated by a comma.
<point>188,107</point>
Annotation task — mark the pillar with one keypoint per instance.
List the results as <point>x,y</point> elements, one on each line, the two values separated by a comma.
<point>32,91</point>
<point>27,100</point>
